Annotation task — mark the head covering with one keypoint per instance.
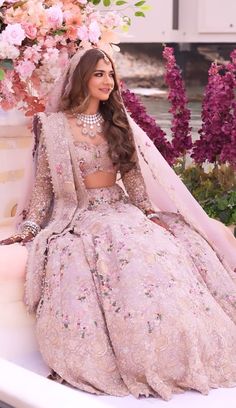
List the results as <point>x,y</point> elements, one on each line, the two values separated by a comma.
<point>166,190</point>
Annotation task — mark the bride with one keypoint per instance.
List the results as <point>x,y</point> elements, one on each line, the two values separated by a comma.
<point>133,286</point>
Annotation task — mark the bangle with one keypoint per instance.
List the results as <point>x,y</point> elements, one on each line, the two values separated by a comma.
<point>30,226</point>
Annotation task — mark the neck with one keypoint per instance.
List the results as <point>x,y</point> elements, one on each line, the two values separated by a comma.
<point>93,108</point>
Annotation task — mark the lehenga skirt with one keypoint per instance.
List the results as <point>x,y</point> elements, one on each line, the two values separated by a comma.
<point>128,307</point>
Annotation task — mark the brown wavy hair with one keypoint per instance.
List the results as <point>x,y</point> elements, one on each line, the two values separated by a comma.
<point>117,130</point>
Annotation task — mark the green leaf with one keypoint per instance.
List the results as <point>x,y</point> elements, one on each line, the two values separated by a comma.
<point>222,204</point>
<point>2,74</point>
<point>107,3</point>
<point>96,2</point>
<point>140,3</point>
<point>120,2</point>
<point>146,8</point>
<point>139,14</point>
<point>125,28</point>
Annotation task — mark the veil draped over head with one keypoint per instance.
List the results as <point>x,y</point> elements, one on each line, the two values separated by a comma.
<point>165,189</point>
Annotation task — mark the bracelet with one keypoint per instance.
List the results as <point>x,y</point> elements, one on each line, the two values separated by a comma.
<point>30,226</point>
<point>152,215</point>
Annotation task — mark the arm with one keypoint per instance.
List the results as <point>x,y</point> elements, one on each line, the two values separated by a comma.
<point>135,187</point>
<point>42,193</point>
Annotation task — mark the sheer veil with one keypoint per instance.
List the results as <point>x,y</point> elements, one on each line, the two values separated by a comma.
<point>165,189</point>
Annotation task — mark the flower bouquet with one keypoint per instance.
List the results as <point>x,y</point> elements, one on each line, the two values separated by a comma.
<point>37,37</point>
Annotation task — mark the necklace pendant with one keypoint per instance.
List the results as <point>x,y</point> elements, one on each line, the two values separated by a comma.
<point>84,131</point>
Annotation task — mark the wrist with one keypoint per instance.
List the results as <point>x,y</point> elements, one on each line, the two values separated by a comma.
<point>29,227</point>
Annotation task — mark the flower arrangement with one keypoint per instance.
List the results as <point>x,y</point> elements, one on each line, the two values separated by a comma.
<point>181,140</point>
<point>148,124</point>
<point>211,177</point>
<point>218,132</point>
<point>37,37</point>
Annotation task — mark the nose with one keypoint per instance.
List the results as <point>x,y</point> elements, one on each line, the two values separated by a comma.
<point>108,80</point>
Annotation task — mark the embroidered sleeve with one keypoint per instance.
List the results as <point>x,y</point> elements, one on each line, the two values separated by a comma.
<point>135,187</point>
<point>42,194</point>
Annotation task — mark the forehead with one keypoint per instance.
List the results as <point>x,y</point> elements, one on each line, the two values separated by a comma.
<point>104,66</point>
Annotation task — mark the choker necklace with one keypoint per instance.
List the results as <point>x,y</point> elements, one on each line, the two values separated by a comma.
<point>90,124</point>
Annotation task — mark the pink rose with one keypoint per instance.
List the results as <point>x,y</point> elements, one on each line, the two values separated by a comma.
<point>13,34</point>
<point>83,33</point>
<point>94,32</point>
<point>25,69</point>
<point>30,30</point>
<point>54,16</point>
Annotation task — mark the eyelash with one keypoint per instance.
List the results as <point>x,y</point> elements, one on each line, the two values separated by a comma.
<point>99,74</point>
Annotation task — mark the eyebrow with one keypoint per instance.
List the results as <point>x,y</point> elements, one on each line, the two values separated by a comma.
<point>101,70</point>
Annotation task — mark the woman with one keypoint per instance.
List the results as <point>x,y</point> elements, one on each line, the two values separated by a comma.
<point>128,299</point>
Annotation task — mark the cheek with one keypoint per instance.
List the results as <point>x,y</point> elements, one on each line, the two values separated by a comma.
<point>93,84</point>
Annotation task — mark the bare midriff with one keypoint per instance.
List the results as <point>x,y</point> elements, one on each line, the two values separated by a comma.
<point>100,179</point>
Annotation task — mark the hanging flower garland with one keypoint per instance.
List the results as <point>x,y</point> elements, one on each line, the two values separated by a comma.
<point>37,37</point>
<point>180,128</point>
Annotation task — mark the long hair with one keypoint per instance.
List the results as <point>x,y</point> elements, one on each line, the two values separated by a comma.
<point>117,130</point>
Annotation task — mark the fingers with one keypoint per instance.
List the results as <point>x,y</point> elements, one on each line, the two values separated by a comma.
<point>11,240</point>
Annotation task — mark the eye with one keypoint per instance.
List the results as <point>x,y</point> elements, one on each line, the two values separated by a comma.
<point>98,74</point>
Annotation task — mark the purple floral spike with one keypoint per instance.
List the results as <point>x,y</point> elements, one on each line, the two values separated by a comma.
<point>148,124</point>
<point>181,130</point>
<point>217,117</point>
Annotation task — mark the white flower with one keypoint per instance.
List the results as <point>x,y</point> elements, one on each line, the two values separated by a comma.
<point>13,34</point>
<point>8,51</point>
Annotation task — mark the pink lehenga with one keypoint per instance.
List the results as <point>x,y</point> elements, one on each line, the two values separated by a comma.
<point>123,306</point>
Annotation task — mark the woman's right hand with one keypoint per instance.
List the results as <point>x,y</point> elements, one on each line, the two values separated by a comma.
<point>20,238</point>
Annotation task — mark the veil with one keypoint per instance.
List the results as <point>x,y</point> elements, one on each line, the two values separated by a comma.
<point>165,189</point>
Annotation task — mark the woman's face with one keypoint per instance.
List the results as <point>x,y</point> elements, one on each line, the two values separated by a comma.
<point>101,83</point>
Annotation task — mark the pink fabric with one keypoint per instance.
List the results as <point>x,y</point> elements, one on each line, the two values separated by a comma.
<point>150,313</point>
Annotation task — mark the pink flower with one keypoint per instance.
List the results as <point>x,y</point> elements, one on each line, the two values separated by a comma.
<point>54,16</point>
<point>30,30</point>
<point>32,53</point>
<point>94,32</point>
<point>83,33</point>
<point>112,20</point>
<point>25,69</point>
<point>1,2</point>
<point>14,34</point>
<point>83,2</point>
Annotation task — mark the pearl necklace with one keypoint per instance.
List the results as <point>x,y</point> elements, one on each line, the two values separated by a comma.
<point>90,124</point>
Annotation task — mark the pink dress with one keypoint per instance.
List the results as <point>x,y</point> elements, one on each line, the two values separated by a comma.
<point>127,307</point>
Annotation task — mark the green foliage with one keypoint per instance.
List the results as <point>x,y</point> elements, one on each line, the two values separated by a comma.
<point>2,74</point>
<point>215,191</point>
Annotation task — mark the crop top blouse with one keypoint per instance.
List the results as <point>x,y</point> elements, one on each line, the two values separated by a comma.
<point>90,158</point>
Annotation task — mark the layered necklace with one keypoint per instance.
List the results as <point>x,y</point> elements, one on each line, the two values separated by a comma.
<point>90,124</point>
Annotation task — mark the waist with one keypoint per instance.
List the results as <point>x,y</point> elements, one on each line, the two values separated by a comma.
<point>105,195</point>
<point>100,179</point>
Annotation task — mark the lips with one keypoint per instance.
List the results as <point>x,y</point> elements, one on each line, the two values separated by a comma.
<point>105,90</point>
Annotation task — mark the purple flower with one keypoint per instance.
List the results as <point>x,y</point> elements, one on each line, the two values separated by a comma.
<point>148,124</point>
<point>218,117</point>
<point>180,128</point>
